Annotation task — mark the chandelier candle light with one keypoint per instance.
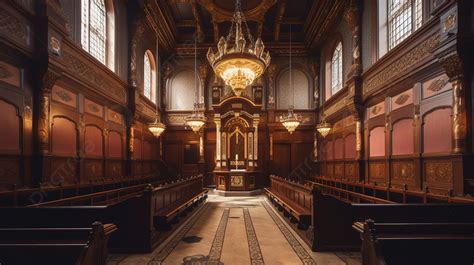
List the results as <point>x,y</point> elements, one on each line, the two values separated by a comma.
<point>323,128</point>
<point>244,61</point>
<point>197,119</point>
<point>291,121</point>
<point>156,127</point>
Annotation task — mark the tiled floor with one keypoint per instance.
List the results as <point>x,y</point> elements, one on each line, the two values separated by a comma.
<point>235,230</point>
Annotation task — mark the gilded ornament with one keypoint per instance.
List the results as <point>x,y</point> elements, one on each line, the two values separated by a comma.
<point>438,84</point>
<point>402,99</point>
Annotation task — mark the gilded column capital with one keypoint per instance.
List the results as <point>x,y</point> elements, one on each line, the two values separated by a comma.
<point>454,68</point>
<point>49,79</point>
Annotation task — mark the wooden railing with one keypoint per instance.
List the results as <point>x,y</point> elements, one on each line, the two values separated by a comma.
<point>134,210</point>
<point>335,207</point>
<point>98,198</point>
<point>25,197</point>
<point>56,245</point>
<point>359,192</point>
<point>292,192</point>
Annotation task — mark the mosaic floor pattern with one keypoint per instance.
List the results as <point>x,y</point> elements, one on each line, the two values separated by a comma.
<point>235,230</point>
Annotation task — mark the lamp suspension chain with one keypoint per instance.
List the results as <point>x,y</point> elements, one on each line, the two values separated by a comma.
<point>196,99</point>
<point>291,74</point>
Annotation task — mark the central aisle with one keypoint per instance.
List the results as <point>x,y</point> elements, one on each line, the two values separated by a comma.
<point>234,230</point>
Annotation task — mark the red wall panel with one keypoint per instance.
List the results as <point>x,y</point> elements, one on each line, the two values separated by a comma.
<point>403,137</point>
<point>350,146</point>
<point>377,142</point>
<point>115,145</point>
<point>138,149</point>
<point>339,149</point>
<point>64,136</point>
<point>93,141</point>
<point>437,131</point>
<point>10,133</point>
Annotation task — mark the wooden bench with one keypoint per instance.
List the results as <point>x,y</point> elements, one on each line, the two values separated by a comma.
<point>295,212</point>
<point>64,246</point>
<point>332,217</point>
<point>174,201</point>
<point>416,243</point>
<point>134,217</point>
<point>181,207</point>
<point>19,197</point>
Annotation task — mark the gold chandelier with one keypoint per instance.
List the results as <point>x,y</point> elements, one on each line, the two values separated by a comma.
<point>323,128</point>
<point>243,62</point>
<point>291,121</point>
<point>156,127</point>
<point>197,119</point>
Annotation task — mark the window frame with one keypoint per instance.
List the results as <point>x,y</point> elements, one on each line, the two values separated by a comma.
<point>340,68</point>
<point>415,22</point>
<point>153,82</point>
<point>108,19</point>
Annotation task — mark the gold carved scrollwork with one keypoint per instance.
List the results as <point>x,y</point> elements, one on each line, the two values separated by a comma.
<point>131,138</point>
<point>439,172</point>
<point>438,84</point>
<point>13,27</point>
<point>449,23</point>
<point>403,171</point>
<point>414,56</point>
<point>402,99</point>
<point>377,171</point>
<point>237,181</point>
<point>49,79</point>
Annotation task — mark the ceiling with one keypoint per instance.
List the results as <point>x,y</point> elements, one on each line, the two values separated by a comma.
<point>272,20</point>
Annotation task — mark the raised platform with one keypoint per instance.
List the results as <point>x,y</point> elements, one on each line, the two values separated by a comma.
<point>238,193</point>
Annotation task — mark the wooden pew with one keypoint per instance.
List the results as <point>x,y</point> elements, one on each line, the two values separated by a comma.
<point>332,217</point>
<point>64,246</point>
<point>296,213</point>
<point>172,201</point>
<point>295,200</point>
<point>416,243</point>
<point>19,197</point>
<point>134,217</point>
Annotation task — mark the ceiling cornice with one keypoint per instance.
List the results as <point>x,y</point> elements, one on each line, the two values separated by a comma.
<point>221,15</point>
<point>322,17</point>
<point>155,15</point>
<point>276,49</point>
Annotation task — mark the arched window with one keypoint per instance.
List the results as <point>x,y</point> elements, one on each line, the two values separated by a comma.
<point>404,17</point>
<point>149,76</point>
<point>97,30</point>
<point>336,69</point>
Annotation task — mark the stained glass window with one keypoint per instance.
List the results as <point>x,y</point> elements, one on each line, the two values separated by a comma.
<point>93,33</point>
<point>336,69</point>
<point>149,76</point>
<point>404,17</point>
<point>147,81</point>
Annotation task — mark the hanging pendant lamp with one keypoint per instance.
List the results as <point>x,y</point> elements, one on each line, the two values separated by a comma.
<point>291,120</point>
<point>197,119</point>
<point>156,127</point>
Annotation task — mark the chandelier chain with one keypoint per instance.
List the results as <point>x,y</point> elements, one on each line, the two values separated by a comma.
<point>291,74</point>
<point>195,69</point>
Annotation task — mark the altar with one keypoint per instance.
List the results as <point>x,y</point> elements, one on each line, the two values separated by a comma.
<point>236,180</point>
<point>237,166</point>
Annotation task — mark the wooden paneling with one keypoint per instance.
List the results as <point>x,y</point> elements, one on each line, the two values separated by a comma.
<point>282,159</point>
